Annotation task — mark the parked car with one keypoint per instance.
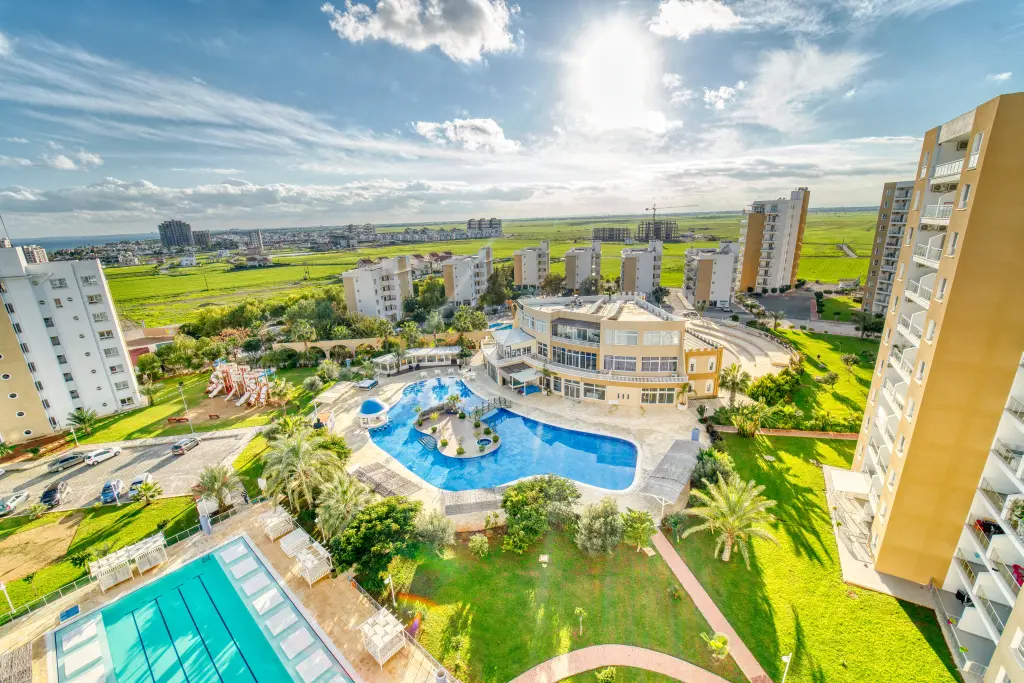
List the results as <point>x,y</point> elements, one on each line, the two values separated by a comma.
<point>11,502</point>
<point>96,457</point>
<point>185,445</point>
<point>55,494</point>
<point>144,478</point>
<point>112,491</point>
<point>66,461</point>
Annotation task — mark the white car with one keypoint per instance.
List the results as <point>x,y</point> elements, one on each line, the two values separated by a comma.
<point>96,457</point>
<point>144,478</point>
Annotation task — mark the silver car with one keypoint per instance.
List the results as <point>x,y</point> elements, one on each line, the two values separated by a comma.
<point>96,457</point>
<point>10,503</point>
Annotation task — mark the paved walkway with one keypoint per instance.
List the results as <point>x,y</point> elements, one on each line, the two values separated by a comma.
<point>744,658</point>
<point>600,656</point>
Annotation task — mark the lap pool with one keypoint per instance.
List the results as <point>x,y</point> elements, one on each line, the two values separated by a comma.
<point>527,447</point>
<point>221,618</point>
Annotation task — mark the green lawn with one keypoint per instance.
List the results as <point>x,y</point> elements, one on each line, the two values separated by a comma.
<point>249,464</point>
<point>822,353</point>
<point>843,305</point>
<point>152,420</point>
<point>793,597</point>
<point>832,268</point>
<point>623,674</point>
<point>516,614</point>
<point>108,525</point>
<point>10,526</point>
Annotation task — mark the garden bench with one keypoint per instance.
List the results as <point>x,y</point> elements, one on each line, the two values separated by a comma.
<point>213,416</point>
<point>177,419</point>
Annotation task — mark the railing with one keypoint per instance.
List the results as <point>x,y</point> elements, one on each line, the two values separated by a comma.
<point>889,389</point>
<point>974,672</point>
<point>887,432</point>
<point>909,328</point>
<point>902,365</point>
<point>915,288</point>
<point>937,211</point>
<point>578,342</point>
<point>986,605</point>
<point>1005,574</point>
<point>931,254</point>
<point>876,458</point>
<point>1010,456</point>
<point>540,361</point>
<point>998,500</point>
<point>979,536</point>
<point>1015,408</point>
<point>950,168</point>
<point>965,567</point>
<point>973,161</point>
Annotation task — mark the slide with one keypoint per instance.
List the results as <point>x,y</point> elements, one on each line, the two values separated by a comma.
<point>263,395</point>
<point>241,401</point>
<point>230,394</point>
<point>216,389</point>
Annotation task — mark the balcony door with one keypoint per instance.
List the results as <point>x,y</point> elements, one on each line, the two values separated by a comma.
<point>572,388</point>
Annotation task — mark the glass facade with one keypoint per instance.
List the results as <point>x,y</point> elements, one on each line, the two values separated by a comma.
<point>573,358</point>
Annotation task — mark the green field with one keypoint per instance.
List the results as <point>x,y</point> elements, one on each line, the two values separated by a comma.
<point>142,293</point>
<point>822,353</point>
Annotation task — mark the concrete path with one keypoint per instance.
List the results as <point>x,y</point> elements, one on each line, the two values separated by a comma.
<point>744,658</point>
<point>600,656</point>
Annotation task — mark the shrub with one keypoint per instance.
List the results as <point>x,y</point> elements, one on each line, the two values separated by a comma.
<point>479,545</point>
<point>495,438</point>
<point>600,528</point>
<point>734,317</point>
<point>433,429</point>
<point>476,423</point>
<point>482,448</point>
<point>436,531</point>
<point>675,522</point>
<point>675,593</point>
<point>803,327</point>
<point>773,388</point>
<point>487,430</point>
<point>605,675</point>
<point>711,463</point>
<point>444,443</point>
<point>460,451</point>
<point>532,506</point>
<point>313,384</point>
<point>462,416</point>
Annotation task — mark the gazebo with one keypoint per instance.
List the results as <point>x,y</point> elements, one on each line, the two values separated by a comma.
<point>373,413</point>
<point>672,475</point>
<point>430,356</point>
<point>383,636</point>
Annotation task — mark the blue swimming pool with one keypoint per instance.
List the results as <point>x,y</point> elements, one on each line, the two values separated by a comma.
<point>500,326</point>
<point>527,447</point>
<point>221,618</point>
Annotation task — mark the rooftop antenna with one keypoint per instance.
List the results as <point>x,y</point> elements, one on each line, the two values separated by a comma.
<point>6,234</point>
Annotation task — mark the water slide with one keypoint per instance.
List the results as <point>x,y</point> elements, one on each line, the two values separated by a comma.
<point>231,393</point>
<point>241,401</point>
<point>263,395</point>
<point>216,389</point>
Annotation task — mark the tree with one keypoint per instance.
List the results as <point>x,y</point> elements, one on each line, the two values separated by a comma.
<point>150,391</point>
<point>776,317</point>
<point>589,285</point>
<point>736,511</point>
<point>733,379</point>
<point>581,614</point>
<point>849,360</point>
<point>862,320</point>
<point>150,365</point>
<point>329,370</point>
<point>773,388</point>
<point>297,466</point>
<point>251,347</point>
<point>675,522</point>
<point>436,530</point>
<point>36,510</point>
<point>434,324</point>
<point>467,320</point>
<point>302,331</point>
<point>718,644</point>
<point>339,501</point>
<point>751,417</point>
<point>410,334</point>
<point>377,533</point>
<point>637,527</point>
<point>148,491</point>
<point>711,464</point>
<point>552,284</point>
<point>829,379</point>
<point>431,294</point>
<point>83,419</point>
<point>5,449</point>
<point>313,384</point>
<point>606,675</point>
<point>700,307</point>
<point>499,286</point>
<point>217,482</point>
<point>600,528</point>
<point>284,391</point>
<point>532,506</point>
<point>659,294</point>
<point>479,545</point>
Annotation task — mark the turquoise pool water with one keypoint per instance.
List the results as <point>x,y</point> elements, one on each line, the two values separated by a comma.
<point>213,620</point>
<point>526,447</point>
<point>500,326</point>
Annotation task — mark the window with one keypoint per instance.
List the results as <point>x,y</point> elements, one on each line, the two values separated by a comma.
<point>114,369</point>
<point>112,352</point>
<point>106,334</point>
<point>659,364</point>
<point>573,358</point>
<point>58,283</point>
<point>68,377</point>
<point>666,396</point>
<point>31,367</point>
<point>39,386</point>
<point>74,393</point>
<point>127,401</point>
<point>711,364</point>
<point>17,328</point>
<point>55,341</point>
<point>920,370</point>
<point>924,164</point>
<point>911,406</point>
<point>942,289</point>
<point>625,338</point>
<point>899,275</point>
<point>58,303</point>
<point>9,307</point>
<point>556,385</point>
<point>46,404</point>
<point>892,478</point>
<point>100,317</point>
<point>888,333</point>
<point>594,391</point>
<point>871,396</point>
<point>965,194</point>
<point>972,162</point>
<point>24,347</point>
<point>121,386</point>
<point>661,338</point>
<point>94,299</point>
<point>624,363</point>
<point>89,280</point>
<point>48,322</point>
<point>542,348</point>
<point>693,366</point>
<point>901,444</point>
<point>61,359</point>
<point>953,241</point>
<point>709,386</point>
<point>930,334</point>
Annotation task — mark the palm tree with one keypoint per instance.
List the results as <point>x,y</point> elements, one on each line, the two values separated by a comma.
<point>217,482</point>
<point>862,319</point>
<point>83,418</point>
<point>297,466</point>
<point>434,324</point>
<point>303,331</point>
<point>736,511</point>
<point>5,449</point>
<point>148,492</point>
<point>718,643</point>
<point>150,392</point>
<point>340,501</point>
<point>751,417</point>
<point>733,379</point>
<point>700,307</point>
<point>776,317</point>
<point>289,424</point>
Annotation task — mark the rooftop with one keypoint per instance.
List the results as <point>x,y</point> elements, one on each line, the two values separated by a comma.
<point>624,307</point>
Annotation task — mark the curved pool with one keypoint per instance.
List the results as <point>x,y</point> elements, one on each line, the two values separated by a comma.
<point>528,447</point>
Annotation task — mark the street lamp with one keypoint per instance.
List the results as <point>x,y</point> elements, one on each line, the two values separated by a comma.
<point>187,417</point>
<point>787,659</point>
<point>3,587</point>
<point>75,437</point>
<point>391,583</point>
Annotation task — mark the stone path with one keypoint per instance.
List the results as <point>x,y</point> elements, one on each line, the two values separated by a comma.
<point>600,656</point>
<point>744,658</point>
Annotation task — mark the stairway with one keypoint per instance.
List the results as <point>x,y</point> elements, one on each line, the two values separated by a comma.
<point>429,442</point>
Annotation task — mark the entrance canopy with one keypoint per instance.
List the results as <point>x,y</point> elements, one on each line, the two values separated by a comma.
<point>525,376</point>
<point>850,482</point>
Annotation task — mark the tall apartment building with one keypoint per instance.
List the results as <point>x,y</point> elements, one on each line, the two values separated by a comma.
<point>889,229</point>
<point>772,241</point>
<point>254,240</point>
<point>465,277</point>
<point>640,269</point>
<point>613,234</point>
<point>710,274</point>
<point>5,243</point>
<point>656,230</point>
<point>201,239</point>
<point>530,265</point>
<point>378,289</point>
<point>484,224</point>
<point>581,263</point>
<point>942,443</point>
<point>60,346</point>
<point>34,254</point>
<point>175,233</point>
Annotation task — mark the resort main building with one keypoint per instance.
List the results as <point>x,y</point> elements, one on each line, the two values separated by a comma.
<point>942,445</point>
<point>618,348</point>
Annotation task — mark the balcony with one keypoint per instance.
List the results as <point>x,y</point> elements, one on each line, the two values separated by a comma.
<point>973,161</point>
<point>948,171</point>
<point>968,650</point>
<point>576,342</point>
<point>918,293</point>
<point>1006,578</point>
<point>903,366</point>
<point>539,362</point>
<point>927,255</point>
<point>892,393</point>
<point>937,213</point>
<point>1016,408</point>
<point>910,329</point>
<point>888,434</point>
<point>876,458</point>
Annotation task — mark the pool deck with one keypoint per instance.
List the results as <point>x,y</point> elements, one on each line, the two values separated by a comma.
<point>652,430</point>
<point>336,606</point>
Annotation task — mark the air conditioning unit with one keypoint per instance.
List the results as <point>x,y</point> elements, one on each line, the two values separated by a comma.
<point>961,146</point>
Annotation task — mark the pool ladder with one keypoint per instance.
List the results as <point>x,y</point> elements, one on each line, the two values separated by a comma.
<point>429,442</point>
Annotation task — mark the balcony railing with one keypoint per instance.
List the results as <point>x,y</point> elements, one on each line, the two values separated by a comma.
<point>539,361</point>
<point>1010,454</point>
<point>979,536</point>
<point>950,168</point>
<point>998,500</point>
<point>876,458</point>
<point>973,670</point>
<point>915,288</point>
<point>990,611</point>
<point>909,328</point>
<point>889,389</point>
<point>969,573</point>
<point>902,365</point>
<point>937,212</point>
<point>926,253</point>
<point>577,342</point>
<point>1005,574</point>
<point>1015,408</point>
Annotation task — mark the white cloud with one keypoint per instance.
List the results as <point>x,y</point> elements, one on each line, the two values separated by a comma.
<point>58,162</point>
<point>88,158</point>
<point>684,18</point>
<point>877,9</point>
<point>54,145</point>
<point>5,46</point>
<point>671,81</point>
<point>14,162</point>
<point>210,171</point>
<point>473,134</point>
<point>20,141</point>
<point>464,30</point>
<point>790,85</point>
<point>717,99</point>
<point>849,93</point>
<point>196,79</point>
<point>1004,76</point>
<point>678,95</point>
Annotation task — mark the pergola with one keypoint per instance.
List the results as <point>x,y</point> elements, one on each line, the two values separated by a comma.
<point>117,566</point>
<point>276,523</point>
<point>672,475</point>
<point>383,636</point>
<point>314,563</point>
<point>431,355</point>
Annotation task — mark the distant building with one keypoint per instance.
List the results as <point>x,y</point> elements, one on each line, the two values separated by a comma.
<point>258,261</point>
<point>581,263</point>
<point>201,238</point>
<point>772,241</point>
<point>5,243</point>
<point>188,261</point>
<point>175,233</point>
<point>465,277</point>
<point>484,224</point>
<point>34,254</point>
<point>127,258</point>
<point>531,265</point>
<point>617,234</point>
<point>656,230</point>
<point>378,289</point>
<point>885,254</point>
<point>223,253</point>
<point>255,240</point>
<point>710,274</point>
<point>640,269</point>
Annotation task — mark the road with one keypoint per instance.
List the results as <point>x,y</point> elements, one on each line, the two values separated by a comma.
<point>175,474</point>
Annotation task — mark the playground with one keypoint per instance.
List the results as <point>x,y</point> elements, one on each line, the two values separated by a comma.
<point>251,387</point>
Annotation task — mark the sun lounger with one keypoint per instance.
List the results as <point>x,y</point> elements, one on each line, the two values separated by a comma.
<point>313,666</point>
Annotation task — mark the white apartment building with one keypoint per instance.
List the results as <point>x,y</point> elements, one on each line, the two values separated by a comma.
<point>465,277</point>
<point>188,261</point>
<point>640,270</point>
<point>531,265</point>
<point>885,252</point>
<point>581,263</point>
<point>710,274</point>
<point>60,346</point>
<point>378,289</point>
<point>771,243</point>
<point>34,254</point>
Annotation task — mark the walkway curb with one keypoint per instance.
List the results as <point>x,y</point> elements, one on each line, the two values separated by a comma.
<point>844,436</point>
<point>600,656</point>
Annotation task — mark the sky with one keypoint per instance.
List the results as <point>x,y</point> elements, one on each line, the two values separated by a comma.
<point>116,115</point>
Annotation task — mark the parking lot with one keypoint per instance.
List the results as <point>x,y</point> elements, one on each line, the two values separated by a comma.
<point>175,474</point>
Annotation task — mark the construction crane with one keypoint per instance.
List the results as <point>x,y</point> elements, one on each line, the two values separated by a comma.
<point>654,209</point>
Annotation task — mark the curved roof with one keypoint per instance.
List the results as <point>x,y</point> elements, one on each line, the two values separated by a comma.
<point>372,406</point>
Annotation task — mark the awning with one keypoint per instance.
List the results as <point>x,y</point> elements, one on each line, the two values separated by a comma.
<point>525,376</point>
<point>672,475</point>
<point>850,482</point>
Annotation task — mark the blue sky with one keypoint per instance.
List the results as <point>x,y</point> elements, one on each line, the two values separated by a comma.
<point>115,115</point>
